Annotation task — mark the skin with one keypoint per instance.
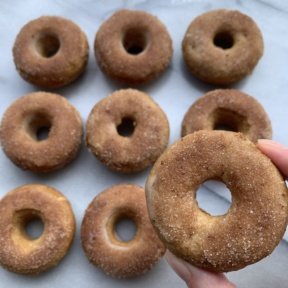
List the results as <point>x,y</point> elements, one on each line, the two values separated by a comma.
<point>199,278</point>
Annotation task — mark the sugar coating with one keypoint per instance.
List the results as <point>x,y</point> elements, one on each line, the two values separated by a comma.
<point>101,244</point>
<point>18,252</point>
<point>117,63</point>
<point>231,107</point>
<point>61,69</point>
<point>256,220</point>
<point>143,147</point>
<point>213,64</point>
<point>18,139</point>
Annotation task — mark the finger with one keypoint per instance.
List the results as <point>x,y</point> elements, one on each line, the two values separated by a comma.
<point>195,277</point>
<point>277,153</point>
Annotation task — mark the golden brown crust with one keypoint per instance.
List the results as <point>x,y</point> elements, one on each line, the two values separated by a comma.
<point>256,220</point>
<point>35,45</point>
<point>229,108</point>
<point>19,128</point>
<point>18,252</point>
<point>213,64</point>
<point>143,147</point>
<point>133,30</point>
<point>100,242</point>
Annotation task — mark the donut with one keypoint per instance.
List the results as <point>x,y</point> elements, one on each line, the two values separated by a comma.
<point>102,245</point>
<point>133,47</point>
<point>253,225</point>
<point>222,46</point>
<point>228,109</point>
<point>26,118</point>
<point>127,131</point>
<point>50,52</point>
<point>19,252</point>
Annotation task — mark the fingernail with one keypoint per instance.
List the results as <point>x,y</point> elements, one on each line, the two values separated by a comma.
<point>271,144</point>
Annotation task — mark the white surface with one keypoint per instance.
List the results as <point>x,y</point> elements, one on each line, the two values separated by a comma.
<point>175,91</point>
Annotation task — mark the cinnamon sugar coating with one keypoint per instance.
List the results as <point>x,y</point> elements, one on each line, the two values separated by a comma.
<point>50,52</point>
<point>29,114</point>
<point>133,46</point>
<point>101,243</point>
<point>18,252</point>
<point>231,109</point>
<point>256,220</point>
<point>222,46</point>
<point>132,153</point>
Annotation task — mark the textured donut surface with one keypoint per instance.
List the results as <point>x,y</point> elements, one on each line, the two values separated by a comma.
<point>29,114</point>
<point>102,245</point>
<point>253,225</point>
<point>133,46</point>
<point>222,46</point>
<point>18,251</point>
<point>230,109</point>
<point>149,126</point>
<point>50,51</point>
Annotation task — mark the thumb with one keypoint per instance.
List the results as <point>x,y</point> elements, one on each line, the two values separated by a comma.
<point>277,153</point>
<point>195,277</point>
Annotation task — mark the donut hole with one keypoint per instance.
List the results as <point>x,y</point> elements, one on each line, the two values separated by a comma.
<point>121,226</point>
<point>228,120</point>
<point>47,45</point>
<point>214,203</point>
<point>30,223</point>
<point>42,133</point>
<point>134,41</point>
<point>34,228</point>
<point>126,127</point>
<point>39,127</point>
<point>223,40</point>
<point>125,229</point>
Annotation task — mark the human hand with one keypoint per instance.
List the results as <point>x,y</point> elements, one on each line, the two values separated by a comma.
<point>196,277</point>
<point>199,278</point>
<point>278,154</point>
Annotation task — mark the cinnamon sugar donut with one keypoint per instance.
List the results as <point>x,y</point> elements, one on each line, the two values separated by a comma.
<point>18,251</point>
<point>228,109</point>
<point>127,131</point>
<point>256,220</point>
<point>50,52</point>
<point>101,243</point>
<point>133,46</point>
<point>222,46</point>
<point>27,117</point>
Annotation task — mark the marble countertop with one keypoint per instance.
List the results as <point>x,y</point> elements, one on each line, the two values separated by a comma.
<point>175,91</point>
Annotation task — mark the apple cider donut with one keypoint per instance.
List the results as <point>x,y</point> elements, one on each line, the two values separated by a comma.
<point>25,123</point>
<point>50,52</point>
<point>253,225</point>
<point>228,109</point>
<point>19,252</point>
<point>127,131</point>
<point>222,46</point>
<point>133,46</point>
<point>102,245</point>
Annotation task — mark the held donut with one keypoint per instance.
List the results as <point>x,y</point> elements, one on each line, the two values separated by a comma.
<point>50,52</point>
<point>222,46</point>
<point>101,243</point>
<point>228,109</point>
<point>133,46</point>
<point>18,251</point>
<point>127,131</point>
<point>256,220</point>
<point>23,123</point>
